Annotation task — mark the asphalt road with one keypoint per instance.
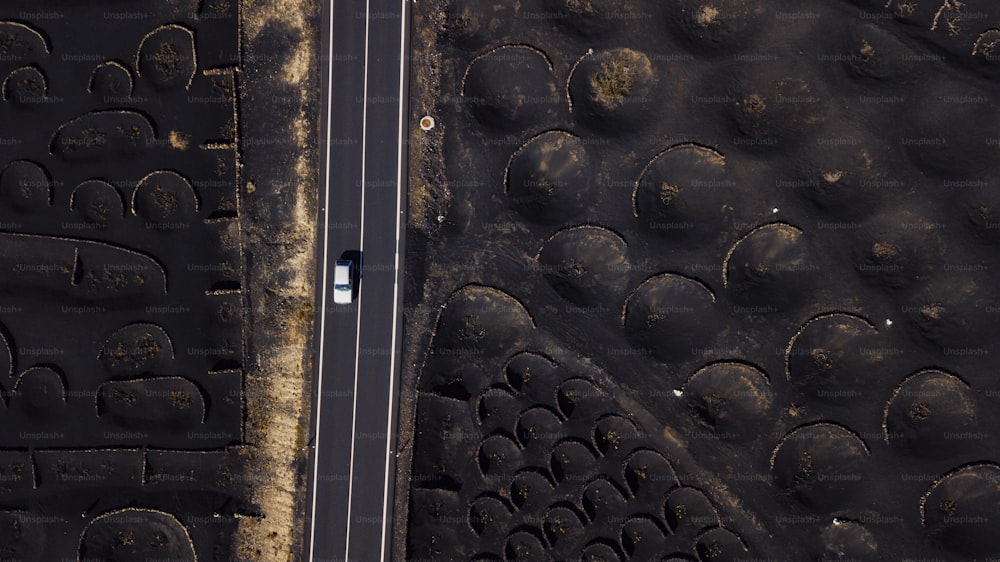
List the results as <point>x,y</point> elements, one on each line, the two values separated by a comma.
<point>358,355</point>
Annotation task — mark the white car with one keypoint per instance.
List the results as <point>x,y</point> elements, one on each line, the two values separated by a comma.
<point>343,282</point>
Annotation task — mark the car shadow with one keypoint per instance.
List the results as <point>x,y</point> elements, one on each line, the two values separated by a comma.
<point>355,256</point>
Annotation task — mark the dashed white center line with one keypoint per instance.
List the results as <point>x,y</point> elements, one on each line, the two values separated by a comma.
<point>361,249</point>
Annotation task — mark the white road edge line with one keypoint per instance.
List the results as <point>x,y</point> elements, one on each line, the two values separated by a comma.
<point>361,249</point>
<point>395,281</point>
<point>322,315</point>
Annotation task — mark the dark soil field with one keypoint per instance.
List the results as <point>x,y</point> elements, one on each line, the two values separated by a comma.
<point>703,280</point>
<point>139,419</point>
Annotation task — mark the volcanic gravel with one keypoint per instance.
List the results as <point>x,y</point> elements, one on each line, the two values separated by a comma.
<point>703,280</point>
<point>121,282</point>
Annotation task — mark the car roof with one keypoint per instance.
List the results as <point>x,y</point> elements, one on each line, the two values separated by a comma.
<point>341,273</point>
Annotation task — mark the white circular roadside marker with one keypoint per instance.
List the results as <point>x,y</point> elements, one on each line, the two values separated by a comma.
<point>426,123</point>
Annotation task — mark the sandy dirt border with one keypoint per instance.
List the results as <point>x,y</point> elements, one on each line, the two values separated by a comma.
<point>279,178</point>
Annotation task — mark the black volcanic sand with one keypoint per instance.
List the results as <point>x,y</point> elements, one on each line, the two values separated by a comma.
<point>120,282</point>
<point>729,297</point>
